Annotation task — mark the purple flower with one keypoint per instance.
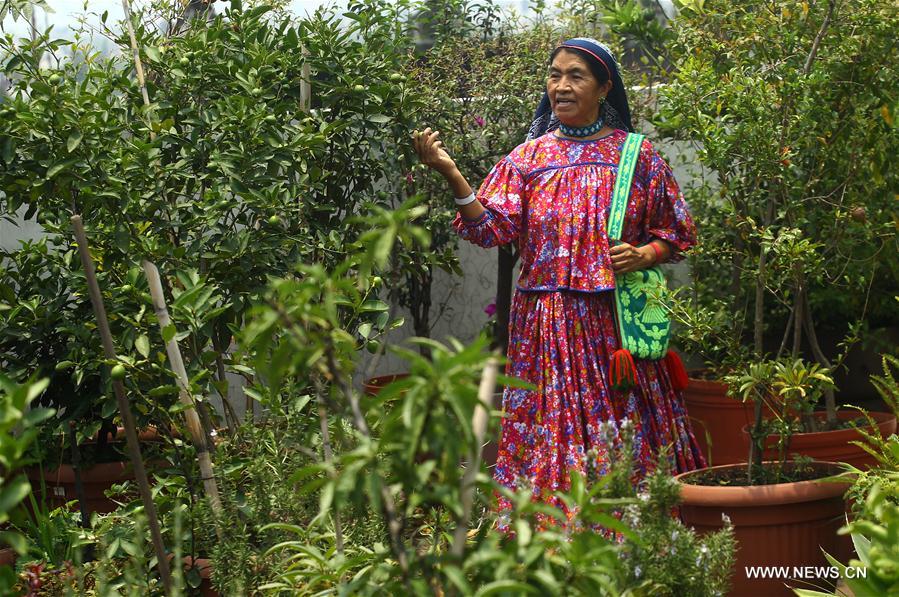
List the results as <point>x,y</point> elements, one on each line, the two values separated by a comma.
<point>409,178</point>
<point>490,309</point>
<point>480,121</point>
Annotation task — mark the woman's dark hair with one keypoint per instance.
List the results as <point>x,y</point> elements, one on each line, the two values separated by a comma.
<point>596,68</point>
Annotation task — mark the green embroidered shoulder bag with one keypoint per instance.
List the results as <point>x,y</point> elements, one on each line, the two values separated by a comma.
<point>643,323</point>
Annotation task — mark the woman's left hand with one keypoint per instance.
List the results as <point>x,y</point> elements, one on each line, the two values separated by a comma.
<point>628,258</point>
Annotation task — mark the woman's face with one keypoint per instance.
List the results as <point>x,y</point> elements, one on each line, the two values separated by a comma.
<point>574,92</point>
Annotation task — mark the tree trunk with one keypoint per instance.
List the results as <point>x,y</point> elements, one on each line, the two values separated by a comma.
<point>421,309</point>
<point>506,259</point>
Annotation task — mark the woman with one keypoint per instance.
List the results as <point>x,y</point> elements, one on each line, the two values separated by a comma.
<point>551,196</point>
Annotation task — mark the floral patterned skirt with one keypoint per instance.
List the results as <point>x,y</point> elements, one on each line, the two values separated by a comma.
<point>562,343</point>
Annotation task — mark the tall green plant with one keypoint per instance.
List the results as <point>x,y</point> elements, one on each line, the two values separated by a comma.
<point>17,432</point>
<point>222,182</point>
<point>794,138</point>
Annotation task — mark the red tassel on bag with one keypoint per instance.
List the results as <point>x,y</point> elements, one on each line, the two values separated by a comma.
<point>624,373</point>
<point>676,371</point>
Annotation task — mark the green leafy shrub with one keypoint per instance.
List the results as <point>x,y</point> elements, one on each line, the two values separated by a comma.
<point>17,432</point>
<point>795,199</point>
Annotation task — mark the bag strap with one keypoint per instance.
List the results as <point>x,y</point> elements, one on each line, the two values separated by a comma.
<point>630,152</point>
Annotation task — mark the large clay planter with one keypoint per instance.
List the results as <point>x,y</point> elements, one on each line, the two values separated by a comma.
<point>787,524</point>
<point>835,446</point>
<point>204,567</point>
<point>95,478</point>
<point>374,385</point>
<point>717,419</point>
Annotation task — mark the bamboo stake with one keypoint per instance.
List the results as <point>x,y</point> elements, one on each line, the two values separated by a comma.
<point>198,437</point>
<point>138,65</point>
<point>140,473</point>
<point>479,426</point>
<point>329,457</point>
<point>305,83</point>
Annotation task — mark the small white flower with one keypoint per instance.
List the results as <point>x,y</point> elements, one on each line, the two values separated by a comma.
<point>637,571</point>
<point>643,496</point>
<point>674,535</point>
<point>725,519</point>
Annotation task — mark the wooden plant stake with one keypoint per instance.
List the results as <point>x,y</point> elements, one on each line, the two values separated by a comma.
<point>197,436</point>
<point>140,473</point>
<point>479,427</point>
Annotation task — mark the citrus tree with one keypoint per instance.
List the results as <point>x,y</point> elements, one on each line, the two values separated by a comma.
<point>226,176</point>
<point>797,200</point>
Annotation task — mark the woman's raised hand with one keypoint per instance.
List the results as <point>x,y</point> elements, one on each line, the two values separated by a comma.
<point>431,152</point>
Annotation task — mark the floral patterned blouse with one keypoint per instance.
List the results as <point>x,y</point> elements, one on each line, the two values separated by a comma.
<point>552,196</point>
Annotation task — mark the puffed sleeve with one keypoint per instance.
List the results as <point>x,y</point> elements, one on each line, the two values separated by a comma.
<point>500,194</point>
<point>667,213</point>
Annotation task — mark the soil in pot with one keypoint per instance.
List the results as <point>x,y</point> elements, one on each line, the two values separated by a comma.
<point>836,445</point>
<point>783,525</point>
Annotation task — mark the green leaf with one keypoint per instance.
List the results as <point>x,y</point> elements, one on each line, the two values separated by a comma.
<point>379,118</point>
<point>74,140</point>
<point>59,167</point>
<point>290,38</point>
<point>457,577</point>
<point>14,492</point>
<point>166,390</point>
<point>7,149</point>
<point>142,344</point>
<point>14,540</point>
<point>500,587</point>
<point>373,305</point>
<point>152,53</point>
<point>168,332</point>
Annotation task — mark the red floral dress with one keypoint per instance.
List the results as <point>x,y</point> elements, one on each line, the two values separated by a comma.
<point>551,197</point>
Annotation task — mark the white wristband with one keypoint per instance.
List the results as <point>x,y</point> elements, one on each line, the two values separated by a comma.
<point>464,200</point>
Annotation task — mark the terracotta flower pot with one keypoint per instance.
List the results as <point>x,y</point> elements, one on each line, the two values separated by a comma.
<point>204,567</point>
<point>834,446</point>
<point>786,524</point>
<point>96,478</point>
<point>717,419</point>
<point>373,385</point>
<point>8,556</point>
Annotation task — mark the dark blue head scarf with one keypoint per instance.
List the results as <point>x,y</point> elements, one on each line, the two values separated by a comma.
<point>615,111</point>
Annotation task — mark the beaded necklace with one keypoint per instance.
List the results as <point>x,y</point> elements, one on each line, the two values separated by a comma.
<point>584,131</point>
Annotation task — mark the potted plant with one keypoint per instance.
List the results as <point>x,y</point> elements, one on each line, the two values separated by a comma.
<point>783,511</point>
<point>41,333</point>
